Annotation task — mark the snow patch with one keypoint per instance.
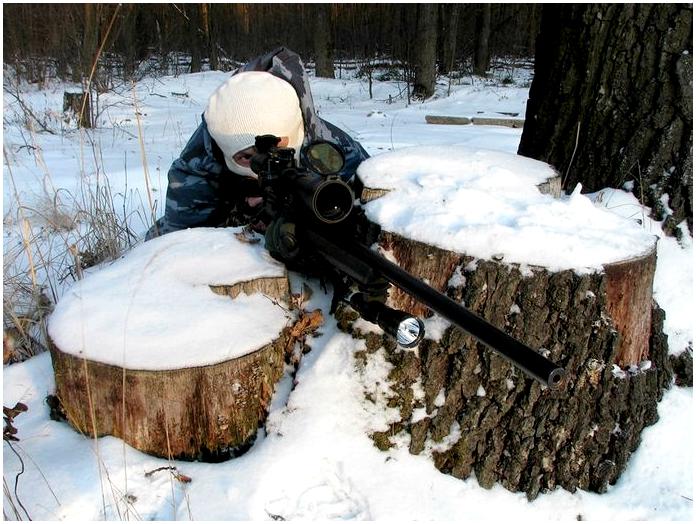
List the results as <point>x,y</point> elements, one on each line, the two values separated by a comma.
<point>486,204</point>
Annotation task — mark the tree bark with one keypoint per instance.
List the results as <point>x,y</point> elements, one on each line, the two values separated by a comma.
<point>425,51</point>
<point>196,44</point>
<point>618,108</point>
<point>323,45</point>
<point>209,38</point>
<point>204,413</point>
<point>128,33</point>
<point>482,56</point>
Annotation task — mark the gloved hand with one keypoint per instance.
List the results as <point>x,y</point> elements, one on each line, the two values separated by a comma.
<point>281,240</point>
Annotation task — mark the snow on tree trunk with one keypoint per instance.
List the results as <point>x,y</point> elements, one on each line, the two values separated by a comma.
<point>468,409</point>
<point>177,347</point>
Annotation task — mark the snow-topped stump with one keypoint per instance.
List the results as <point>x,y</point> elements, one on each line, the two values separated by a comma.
<point>175,348</point>
<point>77,105</point>
<point>560,274</point>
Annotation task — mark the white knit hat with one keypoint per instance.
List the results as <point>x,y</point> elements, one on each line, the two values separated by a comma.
<point>250,104</point>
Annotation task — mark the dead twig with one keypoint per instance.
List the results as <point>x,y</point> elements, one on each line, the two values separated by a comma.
<point>16,484</point>
<point>174,471</point>
<point>572,157</point>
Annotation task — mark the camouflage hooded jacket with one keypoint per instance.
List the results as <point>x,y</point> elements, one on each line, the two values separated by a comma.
<point>202,191</point>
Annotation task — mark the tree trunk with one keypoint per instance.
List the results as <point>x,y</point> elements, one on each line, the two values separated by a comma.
<point>618,108</point>
<point>533,28</point>
<point>482,56</point>
<point>449,39</point>
<point>128,33</point>
<point>187,414</point>
<point>90,37</point>
<point>472,412</point>
<point>204,413</point>
<point>210,42</point>
<point>425,51</point>
<point>323,46</point>
<point>196,40</point>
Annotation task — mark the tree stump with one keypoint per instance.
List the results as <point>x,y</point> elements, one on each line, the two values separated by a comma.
<point>459,403</point>
<point>126,366</point>
<point>77,105</point>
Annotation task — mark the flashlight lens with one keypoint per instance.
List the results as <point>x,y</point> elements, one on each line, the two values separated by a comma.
<point>410,332</point>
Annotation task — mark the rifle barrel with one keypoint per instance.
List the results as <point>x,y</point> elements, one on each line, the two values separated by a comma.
<point>520,355</point>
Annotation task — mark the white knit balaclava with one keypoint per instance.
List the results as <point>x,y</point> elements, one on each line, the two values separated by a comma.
<point>250,104</point>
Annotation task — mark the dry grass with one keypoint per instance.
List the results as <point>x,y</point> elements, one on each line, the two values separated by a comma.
<point>47,246</point>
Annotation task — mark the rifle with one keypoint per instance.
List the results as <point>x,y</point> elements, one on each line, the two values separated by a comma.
<point>314,220</point>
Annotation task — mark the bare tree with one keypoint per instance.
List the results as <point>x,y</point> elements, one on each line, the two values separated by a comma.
<point>239,32</point>
<point>90,37</point>
<point>323,45</point>
<point>450,27</point>
<point>425,51</point>
<point>196,37</point>
<point>482,56</point>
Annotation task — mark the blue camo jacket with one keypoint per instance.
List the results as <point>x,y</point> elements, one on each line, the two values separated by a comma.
<point>203,192</point>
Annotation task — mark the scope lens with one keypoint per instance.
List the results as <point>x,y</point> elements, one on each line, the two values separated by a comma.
<point>333,202</point>
<point>409,332</point>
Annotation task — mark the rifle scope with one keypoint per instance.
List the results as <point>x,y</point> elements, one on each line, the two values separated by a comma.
<point>319,188</point>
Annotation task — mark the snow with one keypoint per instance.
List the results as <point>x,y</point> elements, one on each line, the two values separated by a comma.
<point>314,459</point>
<point>153,309</point>
<point>486,204</point>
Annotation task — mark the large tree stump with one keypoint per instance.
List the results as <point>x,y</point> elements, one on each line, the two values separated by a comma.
<point>125,366</point>
<point>468,409</point>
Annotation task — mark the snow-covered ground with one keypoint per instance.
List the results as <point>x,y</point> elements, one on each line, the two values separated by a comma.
<point>314,460</point>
